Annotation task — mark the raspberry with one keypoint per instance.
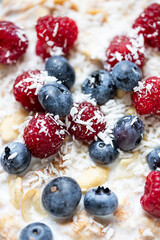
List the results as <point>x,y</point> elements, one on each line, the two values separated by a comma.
<point>150,201</point>
<point>125,48</point>
<point>148,24</point>
<point>42,49</point>
<point>54,33</point>
<point>44,135</point>
<point>25,87</point>
<point>85,121</point>
<point>147,100</point>
<point>13,42</point>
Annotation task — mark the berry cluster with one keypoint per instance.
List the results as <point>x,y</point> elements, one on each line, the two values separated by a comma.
<point>49,95</point>
<point>55,35</point>
<point>131,48</point>
<point>125,48</point>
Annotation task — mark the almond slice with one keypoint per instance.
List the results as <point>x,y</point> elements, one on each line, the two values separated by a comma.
<point>31,209</point>
<point>15,191</point>
<point>93,177</point>
<point>7,131</point>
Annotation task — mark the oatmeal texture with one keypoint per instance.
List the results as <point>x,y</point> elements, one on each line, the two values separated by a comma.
<point>98,22</point>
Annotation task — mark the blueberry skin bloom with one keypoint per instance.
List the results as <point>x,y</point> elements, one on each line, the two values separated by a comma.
<point>100,201</point>
<point>102,153</point>
<point>153,159</point>
<point>36,231</point>
<point>15,158</point>
<point>60,68</point>
<point>56,98</point>
<point>61,196</point>
<point>126,75</point>
<point>128,132</point>
<point>100,85</point>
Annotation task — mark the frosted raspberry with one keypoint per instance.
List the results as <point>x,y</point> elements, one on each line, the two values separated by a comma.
<point>148,23</point>
<point>25,89</point>
<point>55,33</point>
<point>85,121</point>
<point>125,48</point>
<point>150,201</point>
<point>147,99</point>
<point>42,49</point>
<point>44,135</point>
<point>13,42</point>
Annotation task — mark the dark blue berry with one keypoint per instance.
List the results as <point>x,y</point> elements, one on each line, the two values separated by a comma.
<point>153,159</point>
<point>36,231</point>
<point>128,132</point>
<point>56,98</point>
<point>126,75</point>
<point>15,158</point>
<point>60,68</point>
<point>100,201</point>
<point>102,153</point>
<point>61,196</point>
<point>100,85</point>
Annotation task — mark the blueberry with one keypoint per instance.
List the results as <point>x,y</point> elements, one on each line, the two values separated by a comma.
<point>153,159</point>
<point>102,153</point>
<point>55,98</point>
<point>36,231</point>
<point>100,201</point>
<point>15,158</point>
<point>128,132</point>
<point>60,68</point>
<point>100,85</point>
<point>126,75</point>
<point>61,196</point>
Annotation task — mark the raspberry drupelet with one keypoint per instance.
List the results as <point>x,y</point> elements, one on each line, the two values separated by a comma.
<point>13,42</point>
<point>148,24</point>
<point>44,135</point>
<point>55,33</point>
<point>85,121</point>
<point>147,99</point>
<point>150,201</point>
<point>123,47</point>
<point>25,87</point>
<point>42,49</point>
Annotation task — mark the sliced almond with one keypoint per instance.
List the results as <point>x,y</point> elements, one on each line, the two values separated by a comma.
<point>74,6</point>
<point>40,12</point>
<point>7,131</point>
<point>94,11</point>
<point>123,171</point>
<point>15,191</point>
<point>120,93</point>
<point>131,111</point>
<point>60,2</point>
<point>93,177</point>
<point>31,208</point>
